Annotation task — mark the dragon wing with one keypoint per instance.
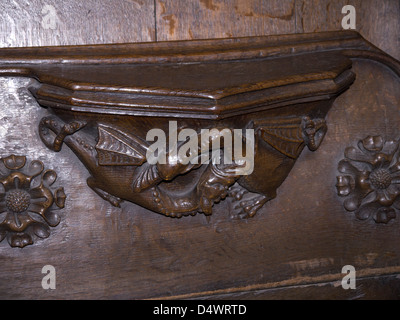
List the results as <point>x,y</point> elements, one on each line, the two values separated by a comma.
<point>117,148</point>
<point>283,134</point>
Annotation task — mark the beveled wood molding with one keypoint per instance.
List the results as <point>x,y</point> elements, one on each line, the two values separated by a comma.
<point>104,99</point>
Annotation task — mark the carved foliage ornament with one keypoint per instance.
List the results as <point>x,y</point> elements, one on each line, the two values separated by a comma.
<point>27,201</point>
<point>370,180</point>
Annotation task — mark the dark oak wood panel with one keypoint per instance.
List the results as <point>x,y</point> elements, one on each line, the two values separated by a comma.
<point>377,21</point>
<point>301,238</point>
<point>178,20</point>
<point>129,253</point>
<point>374,288</point>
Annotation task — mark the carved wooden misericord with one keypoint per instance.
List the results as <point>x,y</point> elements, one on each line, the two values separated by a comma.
<point>103,100</point>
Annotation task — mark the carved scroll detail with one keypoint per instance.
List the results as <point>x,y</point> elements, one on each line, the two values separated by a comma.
<point>50,124</point>
<point>370,180</point>
<point>27,208</point>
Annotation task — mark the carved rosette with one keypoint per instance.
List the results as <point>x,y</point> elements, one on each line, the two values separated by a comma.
<point>27,202</point>
<point>370,180</point>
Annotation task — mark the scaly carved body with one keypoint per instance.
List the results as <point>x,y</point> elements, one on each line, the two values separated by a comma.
<point>117,163</point>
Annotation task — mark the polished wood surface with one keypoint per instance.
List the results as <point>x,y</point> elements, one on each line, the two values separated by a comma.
<point>200,79</point>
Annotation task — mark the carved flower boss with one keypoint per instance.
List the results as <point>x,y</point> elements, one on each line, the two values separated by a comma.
<point>371,179</point>
<point>26,201</point>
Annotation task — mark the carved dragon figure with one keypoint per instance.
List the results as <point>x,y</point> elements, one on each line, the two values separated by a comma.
<point>117,162</point>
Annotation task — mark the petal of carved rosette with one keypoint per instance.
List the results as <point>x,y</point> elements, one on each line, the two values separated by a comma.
<point>370,180</point>
<point>27,207</point>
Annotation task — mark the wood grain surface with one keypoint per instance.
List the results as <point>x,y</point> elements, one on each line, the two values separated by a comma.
<point>371,288</point>
<point>182,19</point>
<point>377,21</point>
<point>302,237</point>
<point>30,23</point>
<point>25,23</point>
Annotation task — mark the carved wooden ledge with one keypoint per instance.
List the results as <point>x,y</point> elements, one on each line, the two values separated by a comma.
<point>104,99</point>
